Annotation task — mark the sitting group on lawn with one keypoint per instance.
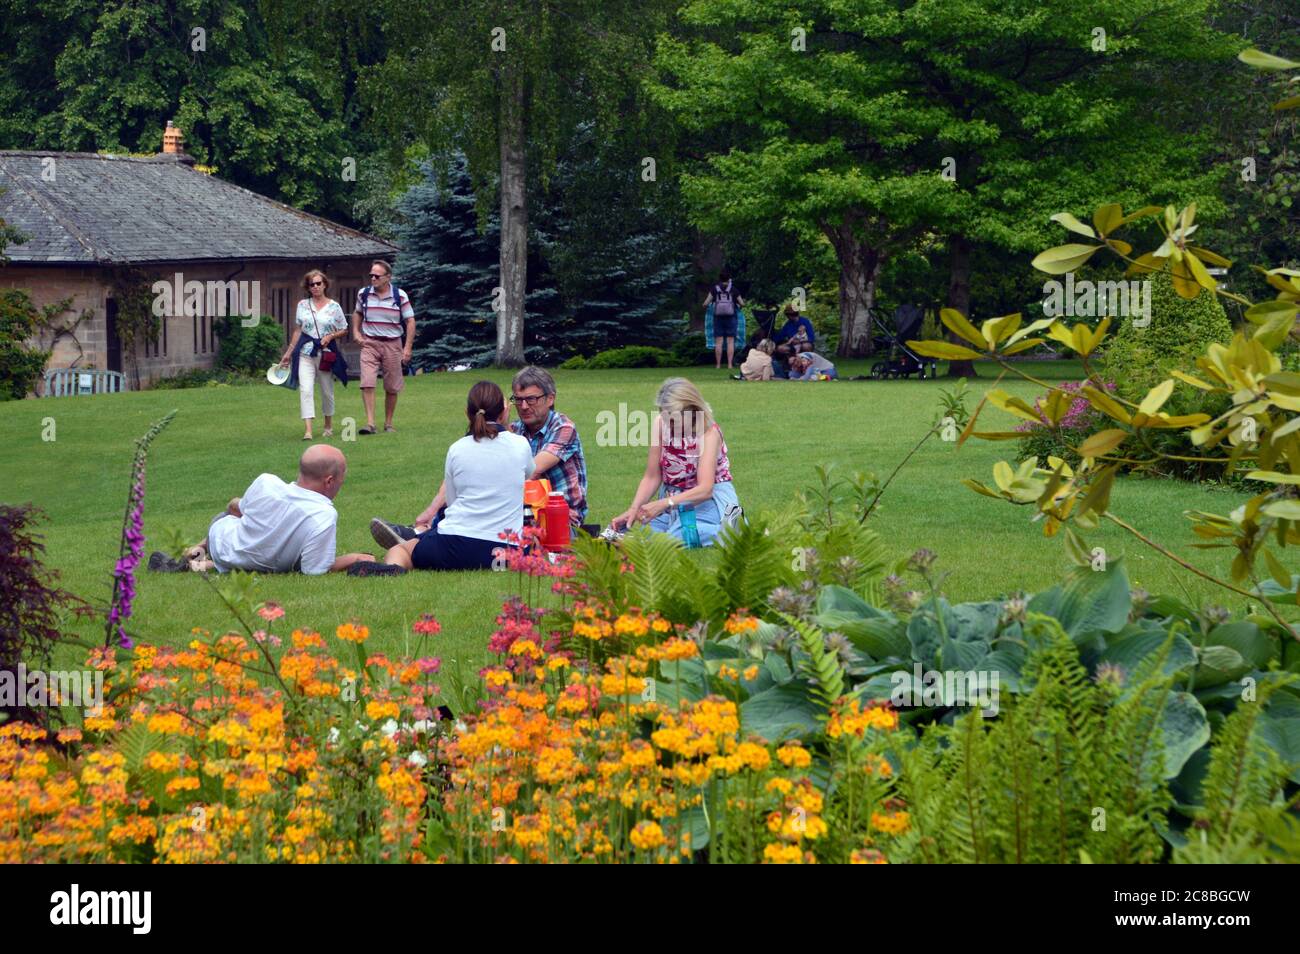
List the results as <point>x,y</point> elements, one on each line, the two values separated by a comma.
<point>788,354</point>
<point>276,527</point>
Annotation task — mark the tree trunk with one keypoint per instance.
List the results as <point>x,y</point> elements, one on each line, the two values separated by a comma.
<point>708,258</point>
<point>959,298</point>
<point>514,226</point>
<point>860,266</point>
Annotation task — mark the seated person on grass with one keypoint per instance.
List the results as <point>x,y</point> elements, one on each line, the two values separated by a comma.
<point>758,363</point>
<point>484,487</point>
<point>557,457</point>
<point>810,366</point>
<point>276,527</point>
<point>795,335</point>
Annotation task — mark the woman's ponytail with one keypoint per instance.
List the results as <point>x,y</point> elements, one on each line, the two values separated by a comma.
<point>484,407</point>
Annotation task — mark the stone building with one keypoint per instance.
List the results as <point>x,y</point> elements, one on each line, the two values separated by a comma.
<point>213,248</point>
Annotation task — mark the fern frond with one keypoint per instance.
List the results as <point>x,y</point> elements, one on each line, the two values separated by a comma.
<point>822,666</point>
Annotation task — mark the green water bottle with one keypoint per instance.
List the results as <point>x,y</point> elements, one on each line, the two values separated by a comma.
<point>690,532</point>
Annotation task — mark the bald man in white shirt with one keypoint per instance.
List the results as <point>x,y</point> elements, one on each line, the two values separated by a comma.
<point>277,527</point>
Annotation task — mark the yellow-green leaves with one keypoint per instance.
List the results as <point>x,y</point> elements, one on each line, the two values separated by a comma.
<point>1080,338</point>
<point>1064,258</point>
<point>1266,61</point>
<point>944,350</point>
<point>959,325</point>
<point>1073,224</point>
<point>1014,405</point>
<point>1103,442</point>
<point>1107,218</point>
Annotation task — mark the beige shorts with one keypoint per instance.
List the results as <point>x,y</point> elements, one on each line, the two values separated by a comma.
<point>385,354</point>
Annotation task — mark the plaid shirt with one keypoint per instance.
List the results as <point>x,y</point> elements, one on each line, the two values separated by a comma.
<point>559,436</point>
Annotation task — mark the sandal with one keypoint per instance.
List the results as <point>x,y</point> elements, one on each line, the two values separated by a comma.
<point>328,432</point>
<point>368,429</point>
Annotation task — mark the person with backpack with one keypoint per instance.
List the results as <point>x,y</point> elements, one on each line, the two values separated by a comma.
<point>383,324</point>
<point>726,303</point>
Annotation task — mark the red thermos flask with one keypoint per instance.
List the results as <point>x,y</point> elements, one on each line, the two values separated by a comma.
<point>557,523</point>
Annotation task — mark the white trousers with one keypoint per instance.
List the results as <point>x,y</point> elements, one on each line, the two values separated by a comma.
<point>307,378</point>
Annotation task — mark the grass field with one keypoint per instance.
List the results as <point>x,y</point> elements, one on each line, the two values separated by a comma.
<point>223,437</point>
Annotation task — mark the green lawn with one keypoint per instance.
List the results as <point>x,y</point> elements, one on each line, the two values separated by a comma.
<point>223,437</point>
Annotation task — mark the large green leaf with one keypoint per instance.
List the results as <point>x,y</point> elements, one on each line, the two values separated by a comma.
<point>1088,601</point>
<point>1130,648</point>
<point>1283,736</point>
<point>786,711</point>
<point>875,632</point>
<point>1186,729</point>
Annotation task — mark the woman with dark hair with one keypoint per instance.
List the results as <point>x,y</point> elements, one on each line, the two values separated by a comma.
<point>484,481</point>
<point>726,303</point>
<point>312,354</point>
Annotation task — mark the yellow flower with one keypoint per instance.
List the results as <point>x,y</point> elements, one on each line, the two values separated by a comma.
<point>647,835</point>
<point>352,633</point>
<point>793,755</point>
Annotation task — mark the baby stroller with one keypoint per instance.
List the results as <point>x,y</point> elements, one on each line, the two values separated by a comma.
<point>892,336</point>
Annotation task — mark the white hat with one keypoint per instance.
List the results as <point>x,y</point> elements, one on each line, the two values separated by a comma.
<point>276,374</point>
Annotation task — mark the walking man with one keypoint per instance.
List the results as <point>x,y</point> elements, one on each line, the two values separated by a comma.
<point>382,319</point>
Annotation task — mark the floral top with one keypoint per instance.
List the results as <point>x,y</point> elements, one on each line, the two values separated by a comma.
<point>679,462</point>
<point>319,322</point>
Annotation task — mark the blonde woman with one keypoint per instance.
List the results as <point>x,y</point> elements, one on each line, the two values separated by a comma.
<point>319,324</point>
<point>687,465</point>
<point>758,363</point>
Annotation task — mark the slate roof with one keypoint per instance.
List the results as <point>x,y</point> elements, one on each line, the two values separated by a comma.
<point>103,209</point>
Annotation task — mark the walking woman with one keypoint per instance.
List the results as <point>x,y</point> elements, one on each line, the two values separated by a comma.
<point>484,486</point>
<point>313,354</point>
<point>687,465</point>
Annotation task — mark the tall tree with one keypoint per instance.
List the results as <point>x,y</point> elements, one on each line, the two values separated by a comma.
<point>878,120</point>
<point>506,83</point>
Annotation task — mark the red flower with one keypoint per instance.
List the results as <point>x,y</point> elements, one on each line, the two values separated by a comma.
<point>427,625</point>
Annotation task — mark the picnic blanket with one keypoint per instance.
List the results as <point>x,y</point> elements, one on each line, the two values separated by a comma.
<point>708,325</point>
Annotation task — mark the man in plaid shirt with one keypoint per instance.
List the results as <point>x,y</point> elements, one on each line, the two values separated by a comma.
<point>557,456</point>
<point>557,450</point>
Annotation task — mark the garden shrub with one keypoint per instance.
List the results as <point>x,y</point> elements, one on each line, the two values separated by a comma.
<point>630,356</point>
<point>32,604</point>
<point>21,366</point>
<point>689,350</point>
<point>1081,420</point>
<point>251,349</point>
<point>576,363</point>
<point>1137,359</point>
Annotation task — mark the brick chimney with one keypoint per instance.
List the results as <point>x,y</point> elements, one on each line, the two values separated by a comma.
<point>173,139</point>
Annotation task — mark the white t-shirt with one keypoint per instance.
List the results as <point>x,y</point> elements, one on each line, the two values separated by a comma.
<point>485,486</point>
<point>284,528</point>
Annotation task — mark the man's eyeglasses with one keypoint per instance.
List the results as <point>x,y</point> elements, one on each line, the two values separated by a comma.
<point>529,399</point>
<point>374,277</point>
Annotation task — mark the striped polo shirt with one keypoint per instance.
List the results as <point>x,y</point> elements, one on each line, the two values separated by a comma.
<point>382,317</point>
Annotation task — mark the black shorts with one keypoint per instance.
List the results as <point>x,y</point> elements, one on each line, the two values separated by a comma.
<point>724,326</point>
<point>444,551</point>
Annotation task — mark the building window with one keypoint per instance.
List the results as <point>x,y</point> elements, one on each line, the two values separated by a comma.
<point>280,310</point>
<point>157,349</point>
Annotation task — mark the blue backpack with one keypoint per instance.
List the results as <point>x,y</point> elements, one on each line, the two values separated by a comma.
<point>397,297</point>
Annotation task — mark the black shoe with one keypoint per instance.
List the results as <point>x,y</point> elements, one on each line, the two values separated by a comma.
<point>160,562</point>
<point>389,535</point>
<point>375,568</point>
